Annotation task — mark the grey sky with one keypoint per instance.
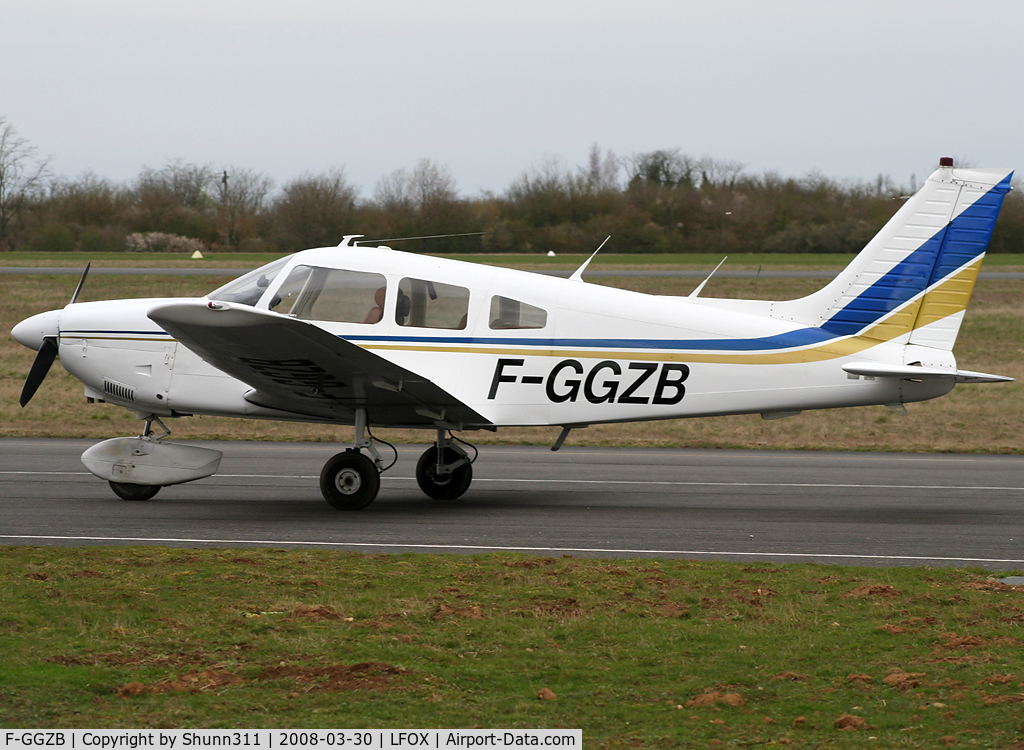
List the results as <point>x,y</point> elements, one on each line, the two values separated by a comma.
<point>851,89</point>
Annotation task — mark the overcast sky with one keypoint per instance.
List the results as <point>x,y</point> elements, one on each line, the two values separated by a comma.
<point>851,89</point>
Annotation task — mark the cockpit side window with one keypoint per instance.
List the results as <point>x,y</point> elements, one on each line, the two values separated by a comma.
<point>247,289</point>
<point>431,304</point>
<point>333,294</point>
<point>507,314</point>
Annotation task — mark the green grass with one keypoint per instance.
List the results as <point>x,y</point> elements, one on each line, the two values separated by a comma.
<point>639,653</point>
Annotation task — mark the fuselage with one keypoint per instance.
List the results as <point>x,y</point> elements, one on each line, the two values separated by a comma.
<point>519,348</point>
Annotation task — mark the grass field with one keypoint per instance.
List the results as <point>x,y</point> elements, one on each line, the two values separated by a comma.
<point>637,653</point>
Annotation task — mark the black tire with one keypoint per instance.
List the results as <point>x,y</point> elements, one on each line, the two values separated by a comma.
<point>442,488</point>
<point>349,481</point>
<point>127,491</point>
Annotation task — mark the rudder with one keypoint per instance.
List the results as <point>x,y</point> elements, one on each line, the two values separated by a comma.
<point>915,277</point>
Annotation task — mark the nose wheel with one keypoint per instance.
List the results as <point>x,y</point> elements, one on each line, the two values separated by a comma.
<point>127,491</point>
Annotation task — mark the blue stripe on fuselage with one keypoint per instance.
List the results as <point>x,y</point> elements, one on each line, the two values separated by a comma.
<point>787,340</point>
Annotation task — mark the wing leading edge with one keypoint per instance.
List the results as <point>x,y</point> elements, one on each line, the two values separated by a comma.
<point>298,367</point>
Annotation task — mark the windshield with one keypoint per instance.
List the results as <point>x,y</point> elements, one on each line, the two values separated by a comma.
<point>247,290</point>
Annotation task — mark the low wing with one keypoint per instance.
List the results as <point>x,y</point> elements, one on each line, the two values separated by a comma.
<point>913,372</point>
<point>299,367</point>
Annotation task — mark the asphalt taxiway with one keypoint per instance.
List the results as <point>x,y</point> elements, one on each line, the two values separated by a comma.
<point>844,508</point>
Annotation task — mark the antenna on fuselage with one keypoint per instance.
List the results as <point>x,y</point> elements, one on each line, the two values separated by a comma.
<point>425,237</point>
<point>578,275</point>
<point>700,286</point>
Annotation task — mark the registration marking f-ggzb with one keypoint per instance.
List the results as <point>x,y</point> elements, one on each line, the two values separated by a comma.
<point>604,383</point>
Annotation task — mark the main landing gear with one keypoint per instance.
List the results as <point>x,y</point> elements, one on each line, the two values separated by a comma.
<point>350,480</point>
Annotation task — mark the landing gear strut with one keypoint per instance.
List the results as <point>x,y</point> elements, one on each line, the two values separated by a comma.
<point>444,471</point>
<point>350,480</point>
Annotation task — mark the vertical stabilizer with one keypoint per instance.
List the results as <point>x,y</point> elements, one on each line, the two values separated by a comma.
<point>915,277</point>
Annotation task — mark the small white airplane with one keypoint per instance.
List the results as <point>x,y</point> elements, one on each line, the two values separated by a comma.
<point>368,336</point>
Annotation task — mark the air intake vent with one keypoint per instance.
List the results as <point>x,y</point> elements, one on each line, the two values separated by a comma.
<point>118,390</point>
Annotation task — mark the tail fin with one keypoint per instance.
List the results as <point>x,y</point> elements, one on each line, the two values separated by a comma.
<point>915,278</point>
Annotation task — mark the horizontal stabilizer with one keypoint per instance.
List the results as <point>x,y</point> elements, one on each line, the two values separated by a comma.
<point>913,372</point>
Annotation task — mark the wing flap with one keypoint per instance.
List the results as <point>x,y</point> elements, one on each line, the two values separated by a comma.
<point>298,367</point>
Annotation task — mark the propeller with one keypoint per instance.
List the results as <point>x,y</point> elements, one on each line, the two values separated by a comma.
<point>40,366</point>
<point>81,283</point>
<point>48,348</point>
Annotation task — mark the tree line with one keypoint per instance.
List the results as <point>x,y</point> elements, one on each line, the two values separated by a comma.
<point>654,202</point>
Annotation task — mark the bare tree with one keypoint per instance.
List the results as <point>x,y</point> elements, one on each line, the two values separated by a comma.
<point>178,199</point>
<point>426,187</point>
<point>22,178</point>
<point>188,185</point>
<point>601,174</point>
<point>243,193</point>
<point>719,173</point>
<point>662,168</point>
<point>423,200</point>
<point>314,210</point>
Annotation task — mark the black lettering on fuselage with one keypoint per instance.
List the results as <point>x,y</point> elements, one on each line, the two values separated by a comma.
<point>501,377</point>
<point>609,386</point>
<point>646,370</point>
<point>604,383</point>
<point>572,383</point>
<point>665,383</point>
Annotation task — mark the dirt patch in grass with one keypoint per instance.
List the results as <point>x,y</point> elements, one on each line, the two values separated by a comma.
<point>881,590</point>
<point>318,613</point>
<point>373,676</point>
<point>369,675</point>
<point>444,612</point>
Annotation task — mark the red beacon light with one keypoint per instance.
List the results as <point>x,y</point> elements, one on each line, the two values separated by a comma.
<point>946,161</point>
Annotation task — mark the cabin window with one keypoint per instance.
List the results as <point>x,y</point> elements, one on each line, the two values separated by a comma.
<point>332,294</point>
<point>431,304</point>
<point>508,313</point>
<point>247,290</point>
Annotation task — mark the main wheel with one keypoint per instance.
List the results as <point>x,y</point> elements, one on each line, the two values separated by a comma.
<point>127,491</point>
<point>349,481</point>
<point>446,486</point>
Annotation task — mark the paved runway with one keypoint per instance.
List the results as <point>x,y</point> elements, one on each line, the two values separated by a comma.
<point>845,508</point>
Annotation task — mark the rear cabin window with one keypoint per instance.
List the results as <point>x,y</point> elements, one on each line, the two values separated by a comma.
<point>333,294</point>
<point>507,314</point>
<point>431,304</point>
